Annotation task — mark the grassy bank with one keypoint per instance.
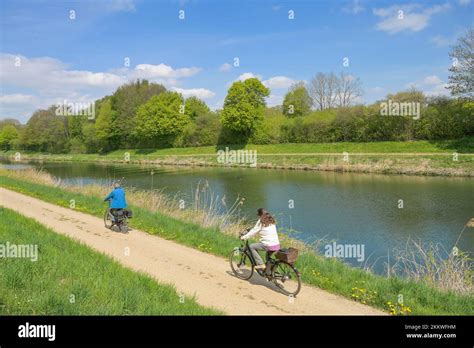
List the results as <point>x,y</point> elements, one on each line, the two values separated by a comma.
<point>68,278</point>
<point>329,274</point>
<point>412,158</point>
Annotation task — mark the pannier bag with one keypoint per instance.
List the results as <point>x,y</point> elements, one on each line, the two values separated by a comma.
<point>288,255</point>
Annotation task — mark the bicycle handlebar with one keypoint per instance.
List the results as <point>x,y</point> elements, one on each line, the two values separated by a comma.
<point>244,232</point>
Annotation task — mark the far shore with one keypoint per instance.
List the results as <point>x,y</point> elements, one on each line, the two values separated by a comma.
<point>410,163</point>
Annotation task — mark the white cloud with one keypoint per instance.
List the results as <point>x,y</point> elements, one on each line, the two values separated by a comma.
<point>438,90</point>
<point>275,82</point>
<point>442,41</point>
<point>120,5</point>
<point>48,75</point>
<point>19,106</point>
<point>393,10</point>
<point>279,82</point>
<point>464,2</point>
<point>410,17</point>
<point>162,71</point>
<point>429,80</point>
<point>273,100</point>
<point>377,89</point>
<point>432,80</point>
<point>225,67</point>
<point>51,74</point>
<point>248,75</point>
<point>430,85</point>
<point>88,78</point>
<point>49,81</point>
<point>201,93</point>
<point>354,7</point>
<point>16,98</point>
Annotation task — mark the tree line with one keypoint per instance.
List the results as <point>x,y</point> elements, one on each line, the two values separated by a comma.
<point>141,114</point>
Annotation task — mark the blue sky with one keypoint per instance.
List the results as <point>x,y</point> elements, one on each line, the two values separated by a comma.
<point>47,57</point>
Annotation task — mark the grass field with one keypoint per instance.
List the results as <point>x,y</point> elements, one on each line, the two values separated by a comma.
<point>412,158</point>
<point>465,145</point>
<point>70,279</point>
<point>326,273</point>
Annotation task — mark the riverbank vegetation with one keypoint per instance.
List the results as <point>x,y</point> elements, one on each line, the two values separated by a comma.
<point>445,158</point>
<point>69,278</point>
<point>218,237</point>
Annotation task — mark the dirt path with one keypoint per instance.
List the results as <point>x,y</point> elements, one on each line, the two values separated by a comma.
<point>192,272</point>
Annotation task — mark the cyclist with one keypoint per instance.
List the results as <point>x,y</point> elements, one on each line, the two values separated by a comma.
<point>117,198</point>
<point>269,241</point>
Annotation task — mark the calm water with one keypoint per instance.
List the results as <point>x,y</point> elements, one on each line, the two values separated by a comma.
<point>348,208</point>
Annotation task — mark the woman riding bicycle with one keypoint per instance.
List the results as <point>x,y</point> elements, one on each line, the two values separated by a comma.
<point>269,241</point>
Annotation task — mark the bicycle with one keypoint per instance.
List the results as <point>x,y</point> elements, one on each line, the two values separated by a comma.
<point>118,219</point>
<point>283,274</point>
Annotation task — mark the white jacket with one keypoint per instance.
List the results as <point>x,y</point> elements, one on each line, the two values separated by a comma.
<point>268,234</point>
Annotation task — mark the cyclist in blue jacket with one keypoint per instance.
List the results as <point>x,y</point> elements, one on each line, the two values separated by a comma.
<point>117,198</point>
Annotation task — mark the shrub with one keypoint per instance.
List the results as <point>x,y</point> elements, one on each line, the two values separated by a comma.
<point>203,131</point>
<point>77,146</point>
<point>268,131</point>
<point>302,130</point>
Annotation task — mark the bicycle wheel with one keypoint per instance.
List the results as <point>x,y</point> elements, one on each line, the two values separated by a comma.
<point>286,278</point>
<point>108,219</point>
<point>123,226</point>
<point>241,264</point>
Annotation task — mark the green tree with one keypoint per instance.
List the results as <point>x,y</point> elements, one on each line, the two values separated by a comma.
<point>91,141</point>
<point>203,131</point>
<point>161,119</point>
<point>45,131</point>
<point>196,107</point>
<point>297,101</point>
<point>10,121</point>
<point>125,102</point>
<point>244,106</point>
<point>76,124</point>
<point>7,136</point>
<point>103,126</point>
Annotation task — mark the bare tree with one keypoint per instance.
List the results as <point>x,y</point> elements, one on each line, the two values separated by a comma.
<point>349,88</point>
<point>332,87</point>
<point>329,90</point>
<point>461,81</point>
<point>317,90</point>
